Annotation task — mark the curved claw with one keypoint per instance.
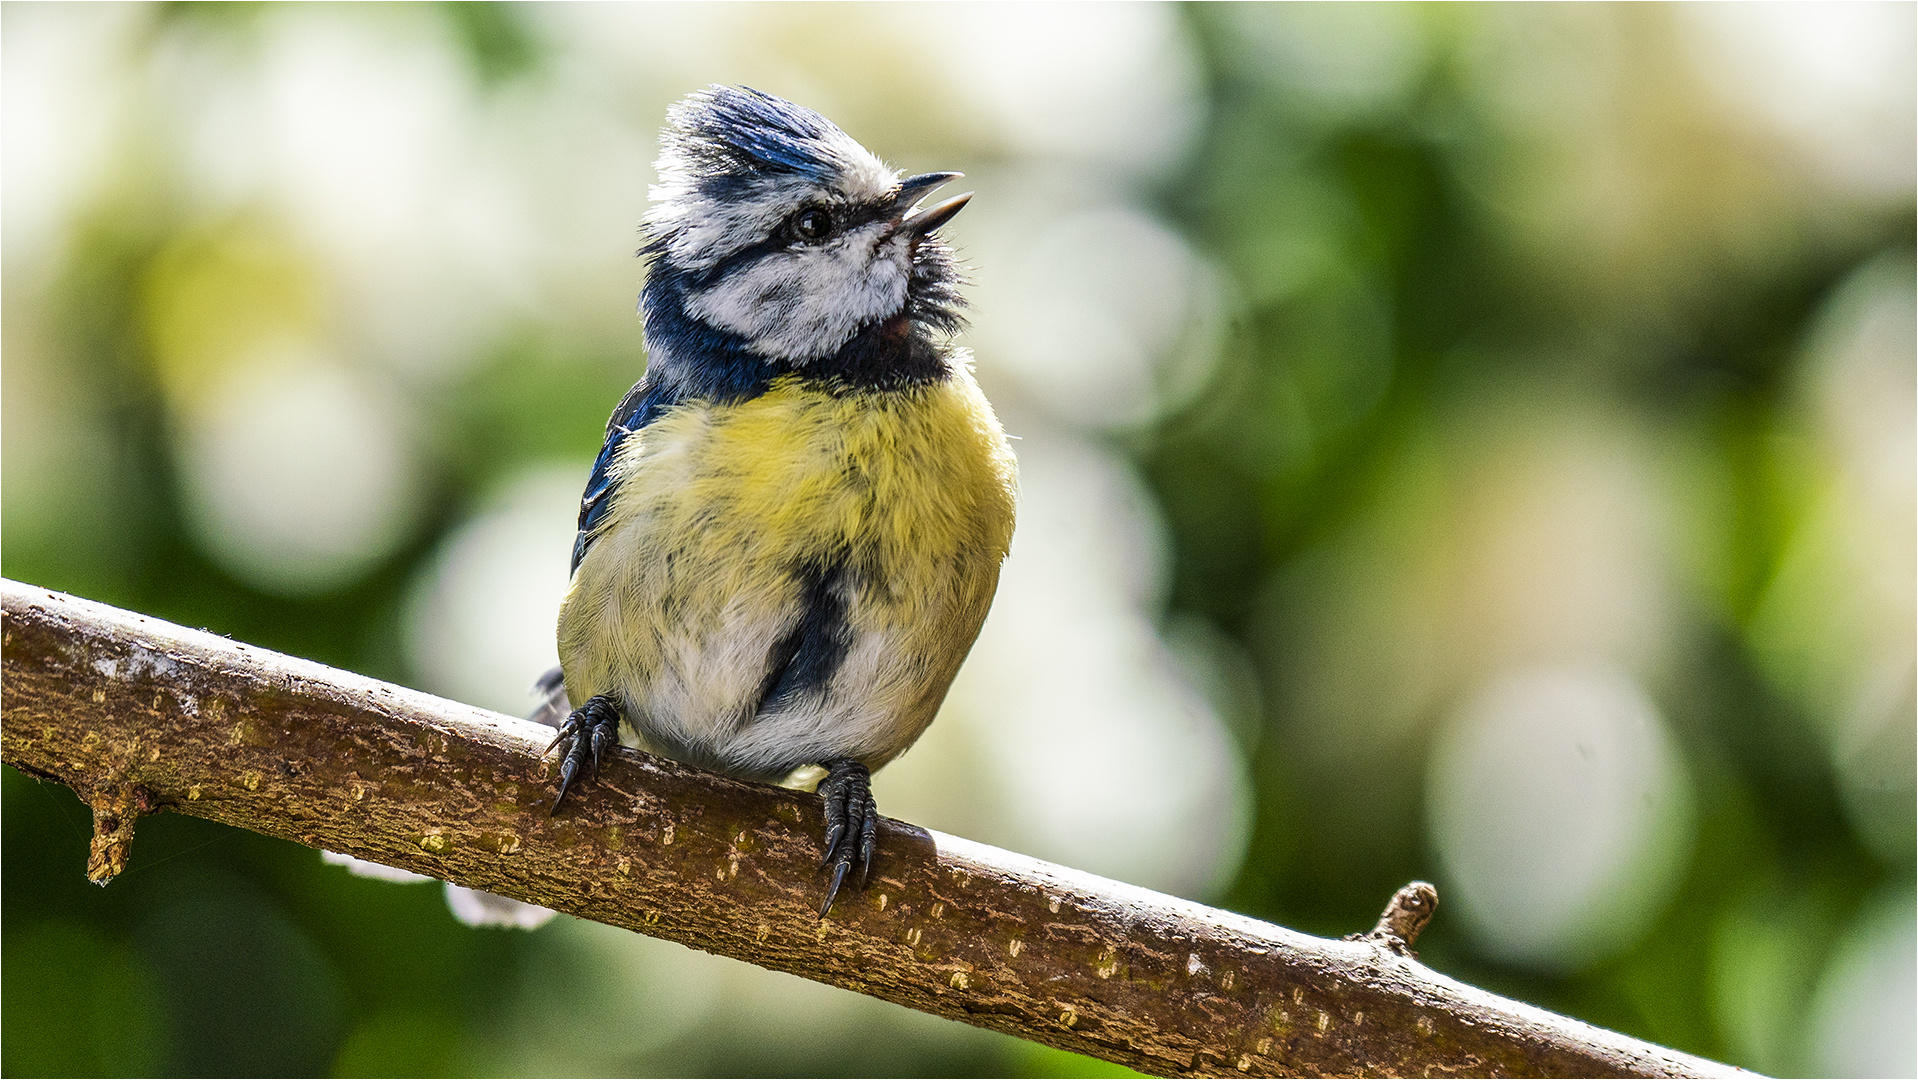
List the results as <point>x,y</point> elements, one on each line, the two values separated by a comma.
<point>832,887</point>
<point>586,735</point>
<point>852,825</point>
<point>566,770</point>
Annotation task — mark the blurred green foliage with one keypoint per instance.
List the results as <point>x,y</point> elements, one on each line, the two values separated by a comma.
<point>1388,296</point>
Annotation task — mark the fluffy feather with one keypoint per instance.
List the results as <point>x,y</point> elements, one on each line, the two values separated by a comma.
<point>699,574</point>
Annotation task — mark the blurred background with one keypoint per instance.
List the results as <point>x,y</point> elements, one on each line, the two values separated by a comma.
<point>1469,443</point>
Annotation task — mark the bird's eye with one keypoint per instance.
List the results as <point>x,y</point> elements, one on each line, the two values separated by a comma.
<point>812,224</point>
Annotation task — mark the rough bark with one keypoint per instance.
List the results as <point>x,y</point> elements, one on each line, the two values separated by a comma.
<point>141,716</point>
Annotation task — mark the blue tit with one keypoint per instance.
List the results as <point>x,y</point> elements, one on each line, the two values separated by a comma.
<point>795,526</point>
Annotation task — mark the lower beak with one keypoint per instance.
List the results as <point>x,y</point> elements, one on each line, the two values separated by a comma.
<point>929,219</point>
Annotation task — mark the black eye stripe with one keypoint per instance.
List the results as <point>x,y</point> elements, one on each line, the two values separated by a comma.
<point>846,217</point>
<point>745,256</point>
<point>853,216</point>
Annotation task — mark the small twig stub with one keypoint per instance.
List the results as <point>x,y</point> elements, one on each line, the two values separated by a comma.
<point>1405,917</point>
<point>117,808</point>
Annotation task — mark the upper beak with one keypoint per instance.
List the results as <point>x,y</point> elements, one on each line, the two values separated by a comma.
<point>914,188</point>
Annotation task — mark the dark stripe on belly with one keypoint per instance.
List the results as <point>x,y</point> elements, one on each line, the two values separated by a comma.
<point>805,659</point>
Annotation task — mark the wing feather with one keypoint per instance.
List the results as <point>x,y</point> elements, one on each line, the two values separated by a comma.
<point>641,406</point>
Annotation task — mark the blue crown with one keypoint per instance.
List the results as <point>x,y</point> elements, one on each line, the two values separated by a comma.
<point>727,136</point>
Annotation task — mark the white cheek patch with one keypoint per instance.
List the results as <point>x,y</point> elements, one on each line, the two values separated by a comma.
<point>804,304</point>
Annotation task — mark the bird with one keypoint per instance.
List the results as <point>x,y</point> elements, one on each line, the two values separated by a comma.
<point>795,524</point>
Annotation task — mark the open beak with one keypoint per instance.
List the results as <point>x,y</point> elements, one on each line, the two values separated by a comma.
<point>914,188</point>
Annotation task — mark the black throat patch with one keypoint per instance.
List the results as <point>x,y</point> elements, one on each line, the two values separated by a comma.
<point>892,354</point>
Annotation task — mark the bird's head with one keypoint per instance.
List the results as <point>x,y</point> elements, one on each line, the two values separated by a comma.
<point>773,227</point>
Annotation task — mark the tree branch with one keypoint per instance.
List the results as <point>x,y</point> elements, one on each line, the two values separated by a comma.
<point>139,716</point>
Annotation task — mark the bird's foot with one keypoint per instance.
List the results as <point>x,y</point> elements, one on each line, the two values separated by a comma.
<point>852,824</point>
<point>584,737</point>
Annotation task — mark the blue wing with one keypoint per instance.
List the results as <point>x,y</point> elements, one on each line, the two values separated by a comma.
<point>641,406</point>
<point>725,371</point>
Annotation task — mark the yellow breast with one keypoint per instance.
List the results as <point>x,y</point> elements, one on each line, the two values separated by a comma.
<point>903,474</point>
